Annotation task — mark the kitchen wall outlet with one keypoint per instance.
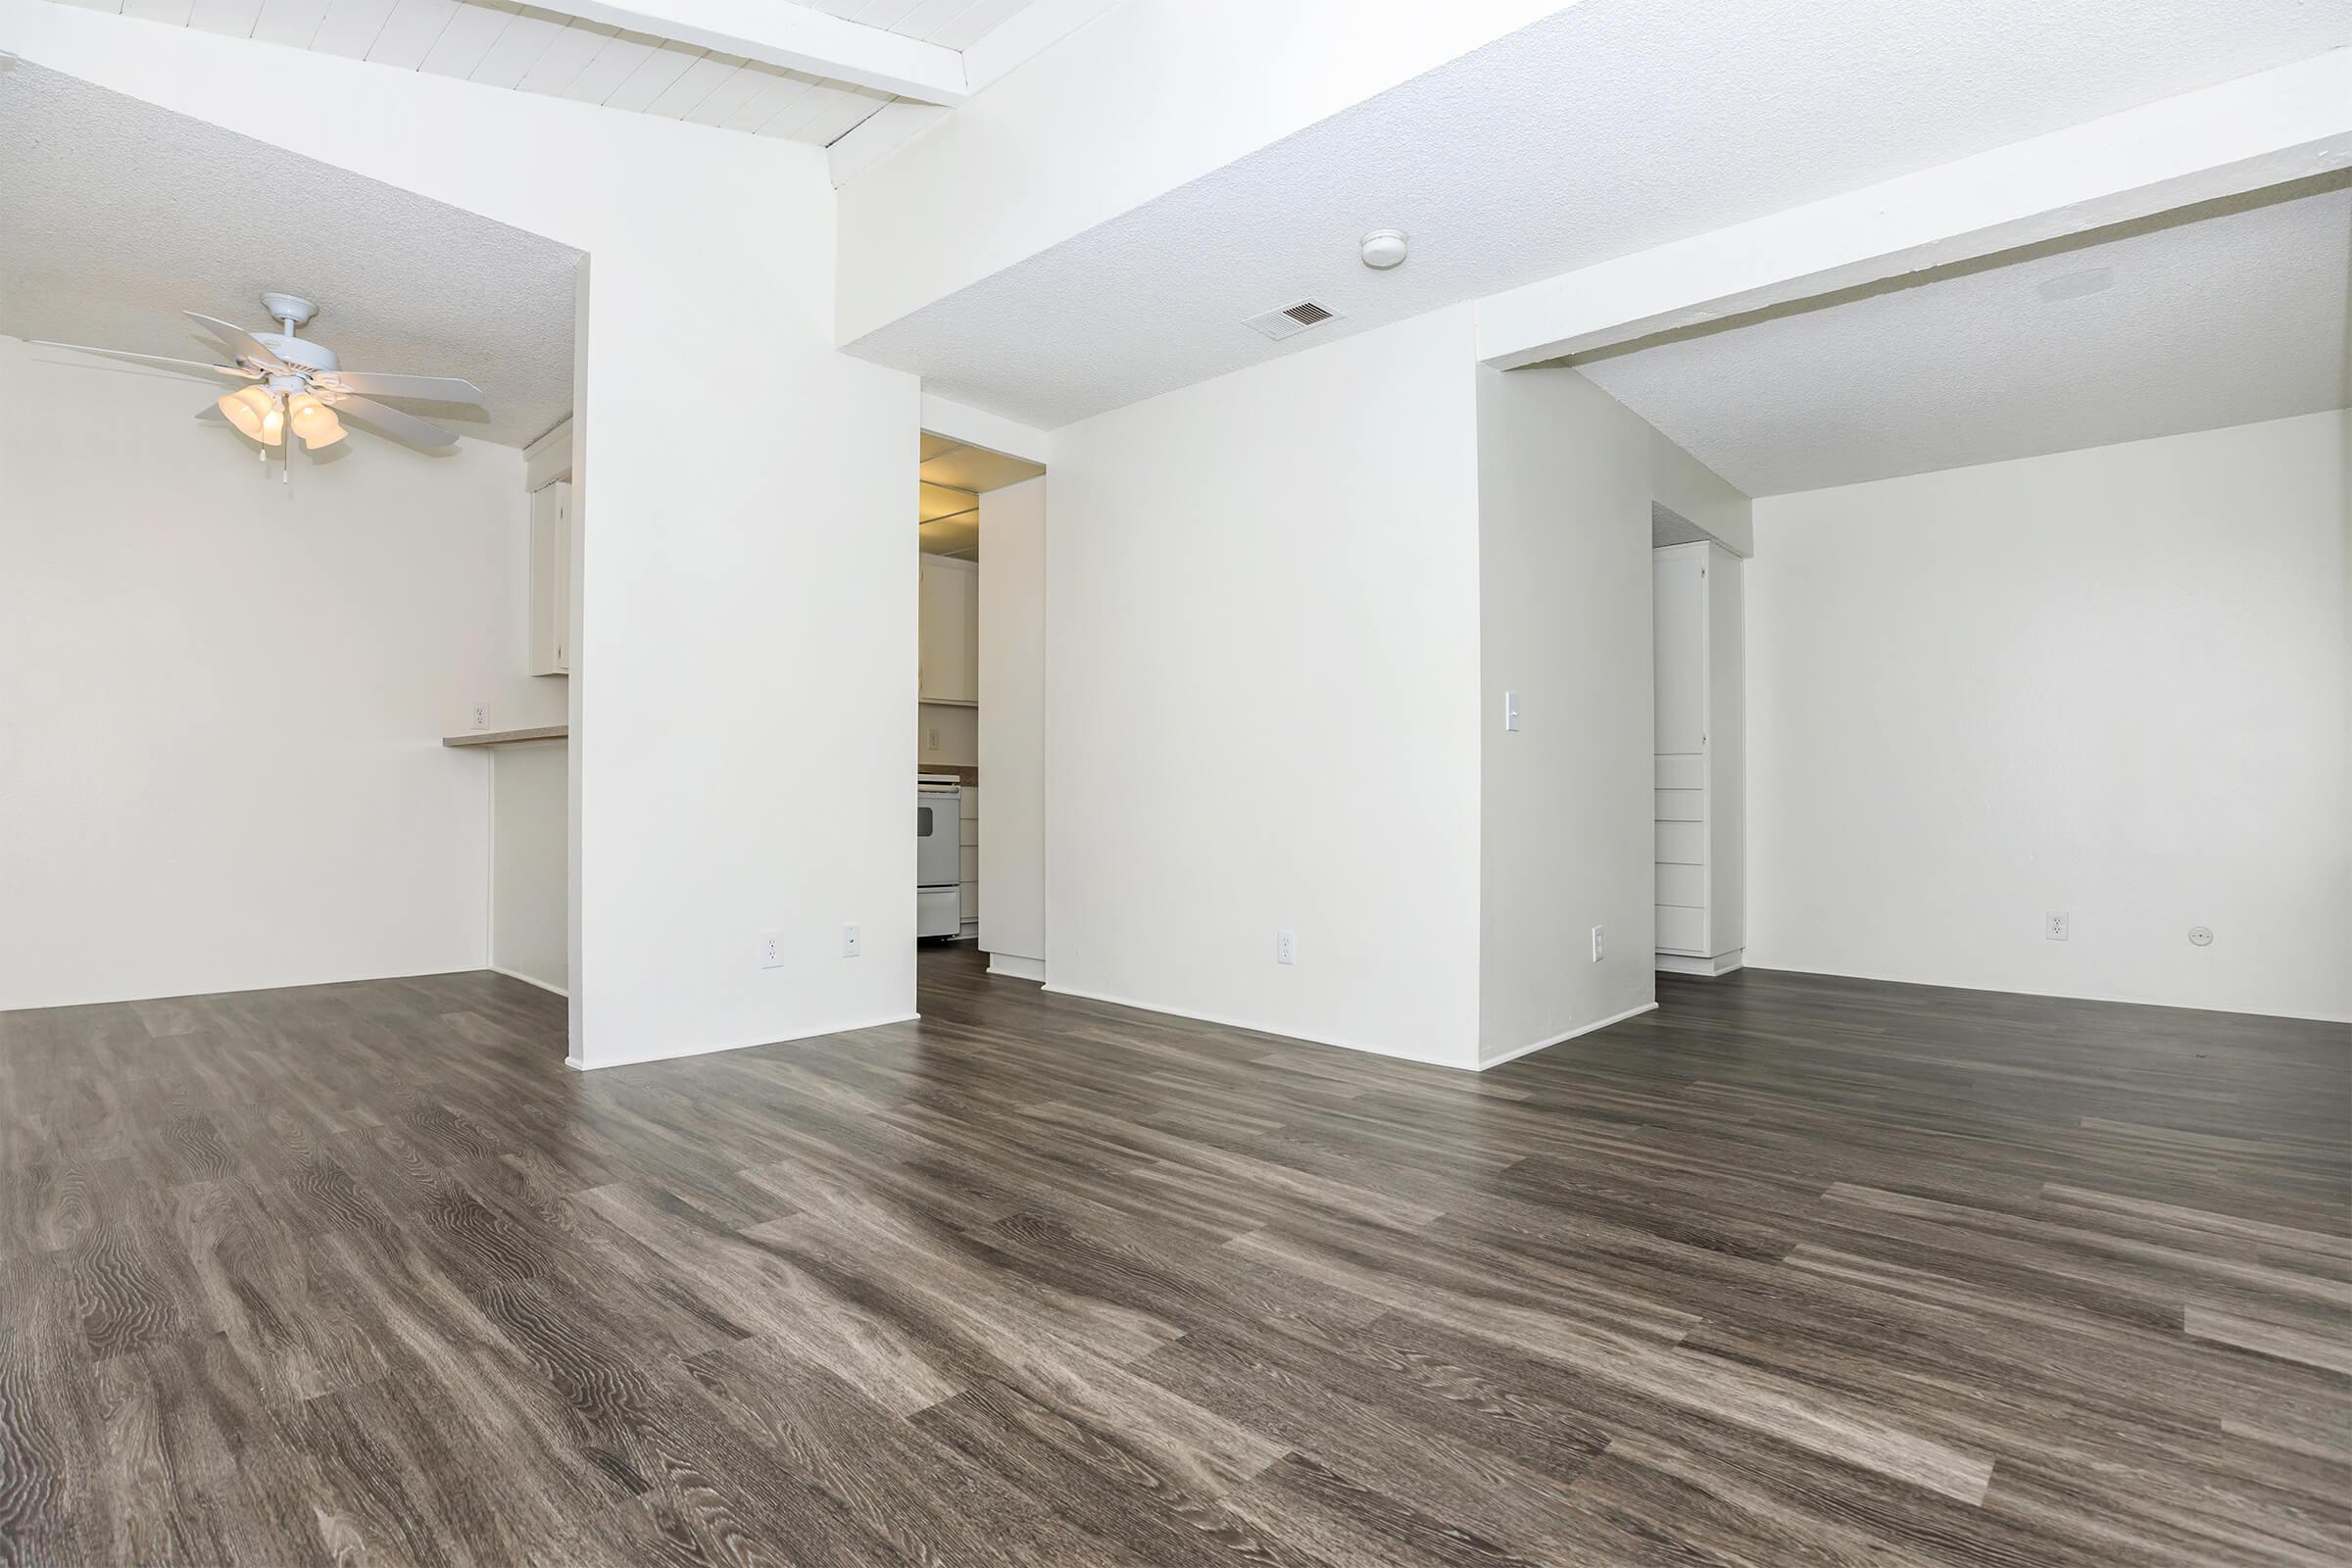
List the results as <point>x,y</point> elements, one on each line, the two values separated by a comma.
<point>849,942</point>
<point>931,739</point>
<point>2053,926</point>
<point>1510,710</point>
<point>772,950</point>
<point>1597,943</point>
<point>481,715</point>
<point>1286,948</point>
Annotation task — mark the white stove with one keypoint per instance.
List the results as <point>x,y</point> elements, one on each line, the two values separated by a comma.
<point>938,854</point>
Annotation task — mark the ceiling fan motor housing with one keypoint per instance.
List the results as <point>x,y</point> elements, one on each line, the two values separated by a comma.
<point>300,351</point>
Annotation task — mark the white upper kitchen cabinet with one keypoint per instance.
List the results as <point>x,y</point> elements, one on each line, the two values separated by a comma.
<point>949,661</point>
<point>551,579</point>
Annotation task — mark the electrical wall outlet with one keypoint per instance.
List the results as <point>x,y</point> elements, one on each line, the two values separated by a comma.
<point>2053,926</point>
<point>931,739</point>
<point>481,715</point>
<point>772,950</point>
<point>1286,948</point>
<point>849,942</point>
<point>1597,943</point>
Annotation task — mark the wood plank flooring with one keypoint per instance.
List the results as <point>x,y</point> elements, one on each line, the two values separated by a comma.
<point>1793,1270</point>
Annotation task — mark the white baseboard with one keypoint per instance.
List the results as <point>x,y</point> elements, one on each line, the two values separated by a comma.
<point>1017,968</point>
<point>638,1059</point>
<point>2053,996</point>
<point>1261,1028</point>
<point>1516,1051</point>
<point>73,1000</point>
<point>528,979</point>
<point>1721,963</point>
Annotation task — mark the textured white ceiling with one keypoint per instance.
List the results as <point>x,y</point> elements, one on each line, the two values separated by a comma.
<point>120,215</point>
<point>1610,128</point>
<point>1668,527</point>
<point>2219,322</point>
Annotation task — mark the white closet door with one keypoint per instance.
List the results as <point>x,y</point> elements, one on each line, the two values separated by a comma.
<point>1678,632</point>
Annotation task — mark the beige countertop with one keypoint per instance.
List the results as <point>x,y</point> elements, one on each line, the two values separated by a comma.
<point>509,737</point>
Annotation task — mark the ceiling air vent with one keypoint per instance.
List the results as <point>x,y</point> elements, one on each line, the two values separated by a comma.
<point>1291,318</point>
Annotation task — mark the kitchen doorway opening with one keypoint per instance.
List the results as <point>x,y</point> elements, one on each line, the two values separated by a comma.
<point>979,696</point>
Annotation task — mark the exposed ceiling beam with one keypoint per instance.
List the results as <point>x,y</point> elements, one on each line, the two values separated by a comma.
<point>796,36</point>
<point>2275,126</point>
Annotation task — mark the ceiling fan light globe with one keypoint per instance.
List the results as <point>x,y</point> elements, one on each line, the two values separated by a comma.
<point>248,408</point>
<point>310,417</point>
<point>323,432</point>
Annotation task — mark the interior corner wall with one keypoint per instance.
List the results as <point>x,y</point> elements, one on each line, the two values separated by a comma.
<point>1566,477</point>
<point>1261,684</point>
<point>1012,723</point>
<point>2114,683</point>
<point>223,697</point>
<point>748,585</point>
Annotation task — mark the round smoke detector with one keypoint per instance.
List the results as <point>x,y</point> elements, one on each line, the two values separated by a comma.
<point>1383,248</point>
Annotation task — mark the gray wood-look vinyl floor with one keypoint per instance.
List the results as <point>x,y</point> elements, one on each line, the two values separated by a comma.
<point>1793,1270</point>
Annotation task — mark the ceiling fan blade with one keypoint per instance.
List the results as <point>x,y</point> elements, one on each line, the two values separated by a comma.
<point>248,346</point>
<point>183,366</point>
<point>391,421</point>
<point>438,388</point>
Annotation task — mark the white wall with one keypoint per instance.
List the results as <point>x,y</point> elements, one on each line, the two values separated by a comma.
<point>1566,478</point>
<point>2111,683</point>
<point>748,589</point>
<point>1013,741</point>
<point>1261,690</point>
<point>1151,95</point>
<point>221,718</point>
<point>946,735</point>
<point>528,914</point>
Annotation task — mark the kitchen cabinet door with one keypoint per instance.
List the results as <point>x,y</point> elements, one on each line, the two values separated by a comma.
<point>950,656</point>
<point>551,579</point>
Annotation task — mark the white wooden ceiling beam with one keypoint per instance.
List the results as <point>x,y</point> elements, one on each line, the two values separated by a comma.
<point>797,37</point>
<point>2270,128</point>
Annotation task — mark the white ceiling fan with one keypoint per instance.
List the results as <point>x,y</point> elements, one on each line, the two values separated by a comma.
<point>292,384</point>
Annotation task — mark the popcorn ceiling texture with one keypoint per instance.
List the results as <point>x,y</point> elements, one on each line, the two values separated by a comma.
<point>2220,322</point>
<point>1610,128</point>
<point>120,216</point>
